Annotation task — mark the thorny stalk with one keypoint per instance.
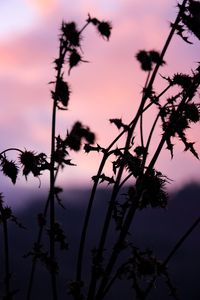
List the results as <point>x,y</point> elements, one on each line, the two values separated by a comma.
<point>7,276</point>
<point>39,237</point>
<point>171,254</point>
<point>69,41</point>
<point>124,231</point>
<point>141,116</point>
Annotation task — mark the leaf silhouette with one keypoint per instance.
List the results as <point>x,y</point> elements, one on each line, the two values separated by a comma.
<point>10,169</point>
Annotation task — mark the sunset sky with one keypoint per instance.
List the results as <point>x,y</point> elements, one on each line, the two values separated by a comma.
<point>107,87</point>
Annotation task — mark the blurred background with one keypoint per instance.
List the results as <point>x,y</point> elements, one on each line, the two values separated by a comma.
<point>109,86</point>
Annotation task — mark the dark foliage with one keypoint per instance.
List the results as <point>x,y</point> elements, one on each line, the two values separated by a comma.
<point>133,161</point>
<point>9,168</point>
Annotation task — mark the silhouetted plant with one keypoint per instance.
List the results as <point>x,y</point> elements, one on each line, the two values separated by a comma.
<point>70,43</point>
<point>133,164</point>
<point>148,188</point>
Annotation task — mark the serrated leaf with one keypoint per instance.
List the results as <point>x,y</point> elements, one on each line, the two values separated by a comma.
<point>10,169</point>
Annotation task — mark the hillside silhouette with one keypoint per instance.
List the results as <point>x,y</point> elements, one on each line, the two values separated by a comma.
<point>155,229</point>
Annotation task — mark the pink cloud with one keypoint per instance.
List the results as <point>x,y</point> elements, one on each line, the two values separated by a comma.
<point>43,7</point>
<point>108,87</point>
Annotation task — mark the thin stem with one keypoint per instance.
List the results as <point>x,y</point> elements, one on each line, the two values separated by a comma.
<point>164,91</point>
<point>6,254</point>
<point>90,205</point>
<point>83,28</point>
<point>116,186</point>
<point>181,241</point>
<point>157,153</point>
<point>149,139</point>
<point>86,221</point>
<point>107,221</point>
<point>141,116</point>
<point>125,180</point>
<point>158,97</point>
<point>117,249</point>
<point>172,253</point>
<point>169,38</point>
<point>144,98</point>
<point>111,282</point>
<point>62,52</point>
<point>39,237</point>
<point>118,179</point>
<point>52,203</point>
<point>115,277</point>
<point>163,139</point>
<point>11,149</point>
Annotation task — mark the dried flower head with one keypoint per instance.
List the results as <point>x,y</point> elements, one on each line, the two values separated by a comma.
<point>77,134</point>
<point>151,187</point>
<point>62,92</point>
<point>155,57</point>
<point>145,60</point>
<point>192,112</point>
<point>182,80</point>
<point>33,163</point>
<point>71,33</point>
<point>104,28</point>
<point>191,17</point>
<point>9,168</point>
<point>148,58</point>
<point>74,59</point>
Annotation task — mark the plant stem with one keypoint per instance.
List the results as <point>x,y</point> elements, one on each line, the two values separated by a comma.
<point>171,254</point>
<point>40,232</point>
<point>34,261</point>
<point>107,221</point>
<point>132,210</point>
<point>90,204</point>
<point>52,180</point>
<point>141,116</point>
<point>86,221</point>
<point>117,249</point>
<point>52,204</point>
<point>160,95</point>
<point>181,241</point>
<point>149,139</point>
<point>6,254</point>
<point>144,98</point>
<point>11,149</point>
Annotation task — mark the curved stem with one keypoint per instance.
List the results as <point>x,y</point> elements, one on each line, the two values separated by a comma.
<point>11,149</point>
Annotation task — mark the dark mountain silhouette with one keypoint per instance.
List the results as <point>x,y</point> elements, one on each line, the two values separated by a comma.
<point>155,229</point>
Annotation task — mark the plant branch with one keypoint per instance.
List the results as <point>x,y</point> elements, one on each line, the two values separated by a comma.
<point>6,253</point>
<point>172,253</point>
<point>132,210</point>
